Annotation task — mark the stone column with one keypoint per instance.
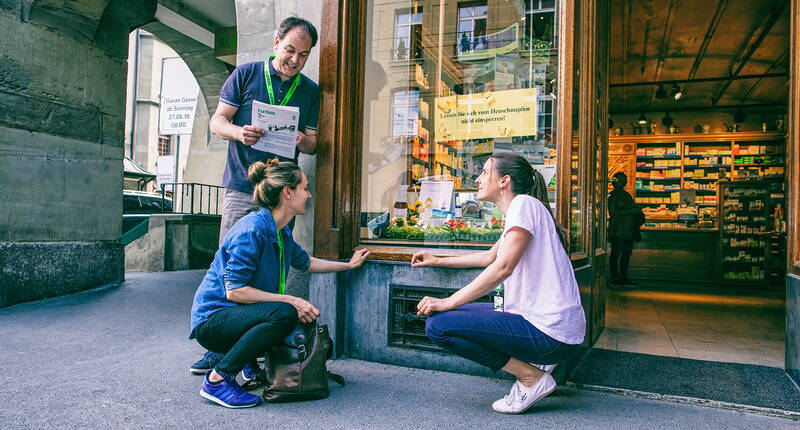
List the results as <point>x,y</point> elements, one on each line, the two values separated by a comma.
<point>62,112</point>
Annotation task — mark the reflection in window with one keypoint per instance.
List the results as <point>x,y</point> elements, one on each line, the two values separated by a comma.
<point>405,113</point>
<point>407,34</point>
<point>472,27</point>
<point>432,119</point>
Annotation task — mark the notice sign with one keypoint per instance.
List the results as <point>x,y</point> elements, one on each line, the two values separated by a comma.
<point>165,170</point>
<point>487,115</point>
<point>179,92</point>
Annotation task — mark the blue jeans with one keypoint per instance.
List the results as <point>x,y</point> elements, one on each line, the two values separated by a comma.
<point>479,333</point>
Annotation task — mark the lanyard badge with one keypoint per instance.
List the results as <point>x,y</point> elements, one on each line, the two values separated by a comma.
<point>268,79</point>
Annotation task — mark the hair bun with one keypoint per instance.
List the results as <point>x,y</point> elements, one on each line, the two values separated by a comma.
<point>257,171</point>
<point>273,163</point>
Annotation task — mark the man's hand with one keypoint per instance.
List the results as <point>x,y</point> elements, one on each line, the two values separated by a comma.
<point>306,142</point>
<point>306,312</point>
<point>250,134</point>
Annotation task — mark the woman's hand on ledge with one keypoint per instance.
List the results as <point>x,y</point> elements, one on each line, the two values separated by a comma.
<point>358,258</point>
<point>424,258</point>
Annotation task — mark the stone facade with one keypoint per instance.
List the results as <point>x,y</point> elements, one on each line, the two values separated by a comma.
<point>62,113</point>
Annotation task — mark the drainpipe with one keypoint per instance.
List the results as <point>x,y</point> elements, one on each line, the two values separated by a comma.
<point>135,101</point>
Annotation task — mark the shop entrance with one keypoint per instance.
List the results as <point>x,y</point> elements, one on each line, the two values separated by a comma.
<point>697,103</point>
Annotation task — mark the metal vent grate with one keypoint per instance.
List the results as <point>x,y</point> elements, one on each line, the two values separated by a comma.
<point>406,329</point>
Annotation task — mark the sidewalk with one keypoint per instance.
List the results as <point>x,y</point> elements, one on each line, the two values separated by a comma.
<point>118,358</point>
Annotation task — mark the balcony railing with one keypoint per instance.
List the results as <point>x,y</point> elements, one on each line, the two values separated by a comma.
<point>193,198</point>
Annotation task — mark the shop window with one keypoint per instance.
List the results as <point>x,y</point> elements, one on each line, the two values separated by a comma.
<point>429,125</point>
<point>407,34</point>
<point>163,145</point>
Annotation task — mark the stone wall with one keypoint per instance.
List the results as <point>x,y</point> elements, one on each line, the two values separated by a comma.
<point>62,113</point>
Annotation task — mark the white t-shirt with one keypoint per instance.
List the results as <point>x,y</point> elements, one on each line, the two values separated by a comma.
<point>542,287</point>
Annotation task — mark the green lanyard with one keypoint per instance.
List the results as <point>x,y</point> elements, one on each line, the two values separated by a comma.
<point>269,85</point>
<point>282,283</point>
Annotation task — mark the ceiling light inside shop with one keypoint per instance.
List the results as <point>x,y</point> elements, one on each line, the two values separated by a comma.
<point>642,119</point>
<point>676,92</point>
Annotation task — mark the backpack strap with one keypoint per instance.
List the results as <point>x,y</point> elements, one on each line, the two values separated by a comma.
<point>339,379</point>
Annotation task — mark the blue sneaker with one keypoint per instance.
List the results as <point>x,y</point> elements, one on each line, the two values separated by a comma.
<point>208,362</point>
<point>228,393</point>
<point>250,372</point>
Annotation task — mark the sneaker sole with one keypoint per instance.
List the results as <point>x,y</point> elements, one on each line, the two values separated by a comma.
<point>197,371</point>
<point>221,403</point>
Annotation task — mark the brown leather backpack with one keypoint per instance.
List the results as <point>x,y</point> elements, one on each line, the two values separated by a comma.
<point>296,369</point>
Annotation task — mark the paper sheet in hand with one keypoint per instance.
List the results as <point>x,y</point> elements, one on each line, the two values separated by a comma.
<point>280,125</point>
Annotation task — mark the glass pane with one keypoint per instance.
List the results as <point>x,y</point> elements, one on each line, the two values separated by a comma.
<point>474,86</point>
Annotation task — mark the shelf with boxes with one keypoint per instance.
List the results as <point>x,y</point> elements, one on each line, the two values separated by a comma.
<point>744,224</point>
<point>667,164</point>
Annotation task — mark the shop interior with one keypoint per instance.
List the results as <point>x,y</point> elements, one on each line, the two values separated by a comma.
<point>697,102</point>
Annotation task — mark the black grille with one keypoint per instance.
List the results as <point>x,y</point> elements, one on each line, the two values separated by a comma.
<point>406,329</point>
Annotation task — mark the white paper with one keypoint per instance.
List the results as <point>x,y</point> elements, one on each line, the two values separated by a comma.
<point>280,125</point>
<point>440,193</point>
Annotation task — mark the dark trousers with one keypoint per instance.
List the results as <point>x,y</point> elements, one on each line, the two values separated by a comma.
<point>621,250</point>
<point>245,332</point>
<point>479,333</point>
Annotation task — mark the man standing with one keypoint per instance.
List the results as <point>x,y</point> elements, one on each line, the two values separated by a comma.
<point>276,81</point>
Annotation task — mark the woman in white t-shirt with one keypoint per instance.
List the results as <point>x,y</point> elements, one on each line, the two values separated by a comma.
<point>542,320</point>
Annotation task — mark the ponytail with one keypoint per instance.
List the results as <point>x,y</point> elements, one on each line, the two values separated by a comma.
<point>527,180</point>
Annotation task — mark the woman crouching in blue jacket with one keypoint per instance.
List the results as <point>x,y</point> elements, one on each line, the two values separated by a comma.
<point>240,308</point>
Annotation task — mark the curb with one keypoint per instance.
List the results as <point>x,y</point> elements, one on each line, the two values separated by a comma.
<point>756,410</point>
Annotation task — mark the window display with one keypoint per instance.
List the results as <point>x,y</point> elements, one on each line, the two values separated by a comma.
<point>447,85</point>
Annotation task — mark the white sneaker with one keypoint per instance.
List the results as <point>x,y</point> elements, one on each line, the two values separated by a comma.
<point>521,397</point>
<point>546,368</point>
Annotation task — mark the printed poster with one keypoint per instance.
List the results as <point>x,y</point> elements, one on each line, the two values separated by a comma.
<point>492,114</point>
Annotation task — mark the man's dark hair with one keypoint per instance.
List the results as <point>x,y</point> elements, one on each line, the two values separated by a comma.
<point>291,22</point>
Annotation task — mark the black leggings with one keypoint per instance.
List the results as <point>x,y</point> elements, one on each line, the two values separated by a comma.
<point>621,250</point>
<point>244,332</point>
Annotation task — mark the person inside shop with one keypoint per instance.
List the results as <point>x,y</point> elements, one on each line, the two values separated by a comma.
<point>240,309</point>
<point>624,221</point>
<point>276,81</point>
<point>541,319</point>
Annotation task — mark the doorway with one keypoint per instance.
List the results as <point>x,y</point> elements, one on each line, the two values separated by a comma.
<point>697,108</point>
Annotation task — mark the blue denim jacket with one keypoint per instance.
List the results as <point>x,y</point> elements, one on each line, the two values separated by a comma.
<point>247,257</point>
